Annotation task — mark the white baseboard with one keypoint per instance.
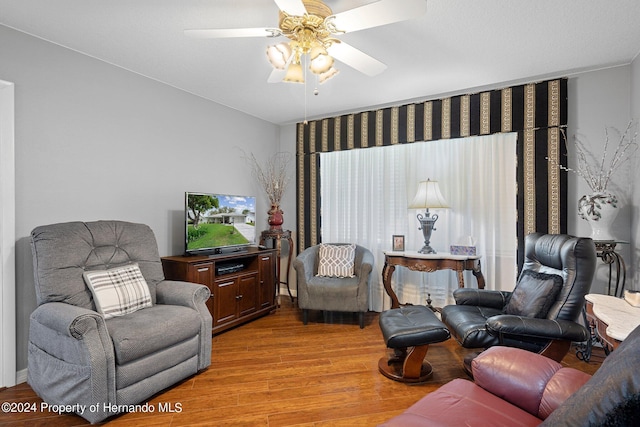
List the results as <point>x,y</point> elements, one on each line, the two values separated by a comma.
<point>21,376</point>
<point>283,291</point>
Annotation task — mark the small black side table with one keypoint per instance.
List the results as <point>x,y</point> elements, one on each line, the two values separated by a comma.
<point>277,236</point>
<point>605,250</point>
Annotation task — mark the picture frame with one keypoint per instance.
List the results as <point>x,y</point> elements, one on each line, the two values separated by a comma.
<point>397,243</point>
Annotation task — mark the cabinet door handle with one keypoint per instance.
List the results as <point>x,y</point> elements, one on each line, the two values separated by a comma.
<point>200,270</point>
<point>238,297</point>
<point>266,258</point>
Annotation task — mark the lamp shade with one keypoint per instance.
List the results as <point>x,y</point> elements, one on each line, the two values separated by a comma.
<point>428,196</point>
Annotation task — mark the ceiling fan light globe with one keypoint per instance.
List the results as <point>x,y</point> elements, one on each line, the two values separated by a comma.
<point>327,75</point>
<point>294,73</point>
<point>316,51</point>
<point>278,55</point>
<point>321,64</point>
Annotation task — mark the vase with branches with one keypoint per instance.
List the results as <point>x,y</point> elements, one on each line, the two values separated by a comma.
<point>597,172</point>
<point>600,207</point>
<point>273,176</point>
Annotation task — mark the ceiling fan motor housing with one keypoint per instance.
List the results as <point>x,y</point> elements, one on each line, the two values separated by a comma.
<point>310,30</point>
<point>314,7</point>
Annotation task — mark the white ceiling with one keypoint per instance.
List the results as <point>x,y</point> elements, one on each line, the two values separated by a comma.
<point>457,46</point>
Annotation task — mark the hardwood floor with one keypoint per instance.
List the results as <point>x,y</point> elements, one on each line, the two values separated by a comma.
<point>276,372</point>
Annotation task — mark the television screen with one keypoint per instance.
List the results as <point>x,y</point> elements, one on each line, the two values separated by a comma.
<point>217,223</point>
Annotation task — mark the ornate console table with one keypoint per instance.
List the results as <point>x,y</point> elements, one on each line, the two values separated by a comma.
<point>427,263</point>
<point>611,319</point>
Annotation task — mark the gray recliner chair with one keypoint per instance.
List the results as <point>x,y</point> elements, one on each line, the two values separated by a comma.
<point>75,356</point>
<point>344,294</point>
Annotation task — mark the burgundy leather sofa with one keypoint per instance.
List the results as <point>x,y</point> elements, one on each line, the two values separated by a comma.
<point>514,387</point>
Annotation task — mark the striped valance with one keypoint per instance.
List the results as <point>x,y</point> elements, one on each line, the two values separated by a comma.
<point>536,111</point>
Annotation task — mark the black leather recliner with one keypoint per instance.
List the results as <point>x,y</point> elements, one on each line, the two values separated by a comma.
<point>479,318</point>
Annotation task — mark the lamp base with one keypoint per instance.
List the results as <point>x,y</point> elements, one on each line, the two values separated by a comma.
<point>427,225</point>
<point>426,249</point>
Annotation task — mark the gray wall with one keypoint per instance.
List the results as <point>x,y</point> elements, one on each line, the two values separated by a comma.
<point>635,214</point>
<point>94,141</point>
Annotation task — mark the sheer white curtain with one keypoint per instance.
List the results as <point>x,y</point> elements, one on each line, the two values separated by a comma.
<point>365,194</point>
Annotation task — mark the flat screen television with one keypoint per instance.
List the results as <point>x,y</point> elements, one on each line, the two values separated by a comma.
<point>219,223</point>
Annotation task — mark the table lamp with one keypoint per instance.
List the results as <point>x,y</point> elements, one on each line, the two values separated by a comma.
<point>428,196</point>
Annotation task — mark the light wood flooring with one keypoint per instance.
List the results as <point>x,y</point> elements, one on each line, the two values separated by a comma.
<point>276,372</point>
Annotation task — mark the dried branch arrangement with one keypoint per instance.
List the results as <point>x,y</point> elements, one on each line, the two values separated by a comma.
<point>273,175</point>
<point>598,172</point>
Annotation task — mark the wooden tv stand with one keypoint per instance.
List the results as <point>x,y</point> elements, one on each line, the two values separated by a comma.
<point>242,284</point>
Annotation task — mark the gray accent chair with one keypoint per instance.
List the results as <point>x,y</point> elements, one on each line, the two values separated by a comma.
<point>330,294</point>
<point>75,356</point>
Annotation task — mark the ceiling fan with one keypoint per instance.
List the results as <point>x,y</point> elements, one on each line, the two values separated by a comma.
<point>311,27</point>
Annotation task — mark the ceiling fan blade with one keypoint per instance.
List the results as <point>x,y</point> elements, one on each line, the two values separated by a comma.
<point>277,76</point>
<point>356,59</point>
<point>292,7</point>
<point>379,13</point>
<point>233,32</point>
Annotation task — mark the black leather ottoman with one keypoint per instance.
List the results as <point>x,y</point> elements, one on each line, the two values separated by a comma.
<point>411,327</point>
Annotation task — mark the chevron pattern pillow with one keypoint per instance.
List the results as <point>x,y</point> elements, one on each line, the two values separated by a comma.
<point>118,291</point>
<point>336,260</point>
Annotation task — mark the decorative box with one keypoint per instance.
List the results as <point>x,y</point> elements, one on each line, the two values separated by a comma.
<point>632,298</point>
<point>462,250</point>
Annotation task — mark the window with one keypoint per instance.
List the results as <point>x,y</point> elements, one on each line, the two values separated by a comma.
<point>365,194</point>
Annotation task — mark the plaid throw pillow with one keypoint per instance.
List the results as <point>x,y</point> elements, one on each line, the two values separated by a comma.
<point>336,260</point>
<point>118,291</point>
